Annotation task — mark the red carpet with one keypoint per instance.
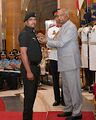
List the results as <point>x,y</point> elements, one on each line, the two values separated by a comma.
<point>18,116</point>
<point>52,115</point>
<point>86,116</point>
<point>41,116</point>
<point>2,105</point>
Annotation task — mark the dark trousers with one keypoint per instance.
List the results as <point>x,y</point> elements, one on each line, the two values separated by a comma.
<point>89,77</point>
<point>11,80</point>
<point>55,77</point>
<point>30,90</point>
<point>1,81</point>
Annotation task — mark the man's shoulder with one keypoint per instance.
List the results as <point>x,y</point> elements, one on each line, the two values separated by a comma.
<point>72,26</point>
<point>23,33</point>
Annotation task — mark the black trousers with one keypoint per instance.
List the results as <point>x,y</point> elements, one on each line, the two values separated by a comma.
<point>1,81</point>
<point>89,77</point>
<point>11,80</point>
<point>30,90</point>
<point>55,77</point>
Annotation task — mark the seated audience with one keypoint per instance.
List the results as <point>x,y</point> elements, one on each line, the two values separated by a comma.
<point>10,78</point>
<point>4,62</point>
<point>14,65</point>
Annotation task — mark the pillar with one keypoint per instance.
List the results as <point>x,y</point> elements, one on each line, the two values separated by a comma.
<point>13,23</point>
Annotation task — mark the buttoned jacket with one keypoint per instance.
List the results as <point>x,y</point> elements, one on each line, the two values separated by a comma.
<point>67,46</point>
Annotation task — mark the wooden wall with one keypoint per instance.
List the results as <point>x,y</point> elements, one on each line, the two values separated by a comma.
<point>13,23</point>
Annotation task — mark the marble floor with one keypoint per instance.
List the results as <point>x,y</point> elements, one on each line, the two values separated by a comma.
<point>14,100</point>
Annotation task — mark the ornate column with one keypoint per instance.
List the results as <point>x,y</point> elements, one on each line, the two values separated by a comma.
<point>13,23</point>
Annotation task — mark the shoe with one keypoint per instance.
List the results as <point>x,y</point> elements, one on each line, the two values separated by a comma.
<point>56,103</point>
<point>65,114</point>
<point>79,117</point>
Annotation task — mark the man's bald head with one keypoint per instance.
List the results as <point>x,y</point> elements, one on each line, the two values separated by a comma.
<point>62,15</point>
<point>64,11</point>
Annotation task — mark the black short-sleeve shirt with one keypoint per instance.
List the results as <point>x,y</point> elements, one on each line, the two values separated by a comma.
<point>27,38</point>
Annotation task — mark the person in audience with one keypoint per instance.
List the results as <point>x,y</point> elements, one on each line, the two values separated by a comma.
<point>12,77</point>
<point>31,56</point>
<point>12,59</point>
<point>18,59</point>
<point>15,51</point>
<point>4,62</point>
<point>66,42</point>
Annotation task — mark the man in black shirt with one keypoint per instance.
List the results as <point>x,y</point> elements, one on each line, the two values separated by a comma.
<point>31,57</point>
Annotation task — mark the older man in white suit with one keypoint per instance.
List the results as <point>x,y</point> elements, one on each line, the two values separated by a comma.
<point>69,64</point>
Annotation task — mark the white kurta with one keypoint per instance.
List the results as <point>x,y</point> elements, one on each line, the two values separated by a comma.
<point>84,46</point>
<point>92,49</point>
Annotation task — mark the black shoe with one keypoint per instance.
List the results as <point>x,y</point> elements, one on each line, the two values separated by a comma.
<point>79,117</point>
<point>65,114</point>
<point>56,103</point>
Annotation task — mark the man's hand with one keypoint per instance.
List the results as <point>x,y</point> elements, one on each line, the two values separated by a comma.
<point>30,76</point>
<point>41,38</point>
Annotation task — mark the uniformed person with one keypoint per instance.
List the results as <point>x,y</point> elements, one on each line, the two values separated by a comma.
<point>4,62</point>
<point>12,77</point>
<point>92,49</point>
<point>92,56</point>
<point>84,46</point>
<point>31,57</point>
<point>53,58</point>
